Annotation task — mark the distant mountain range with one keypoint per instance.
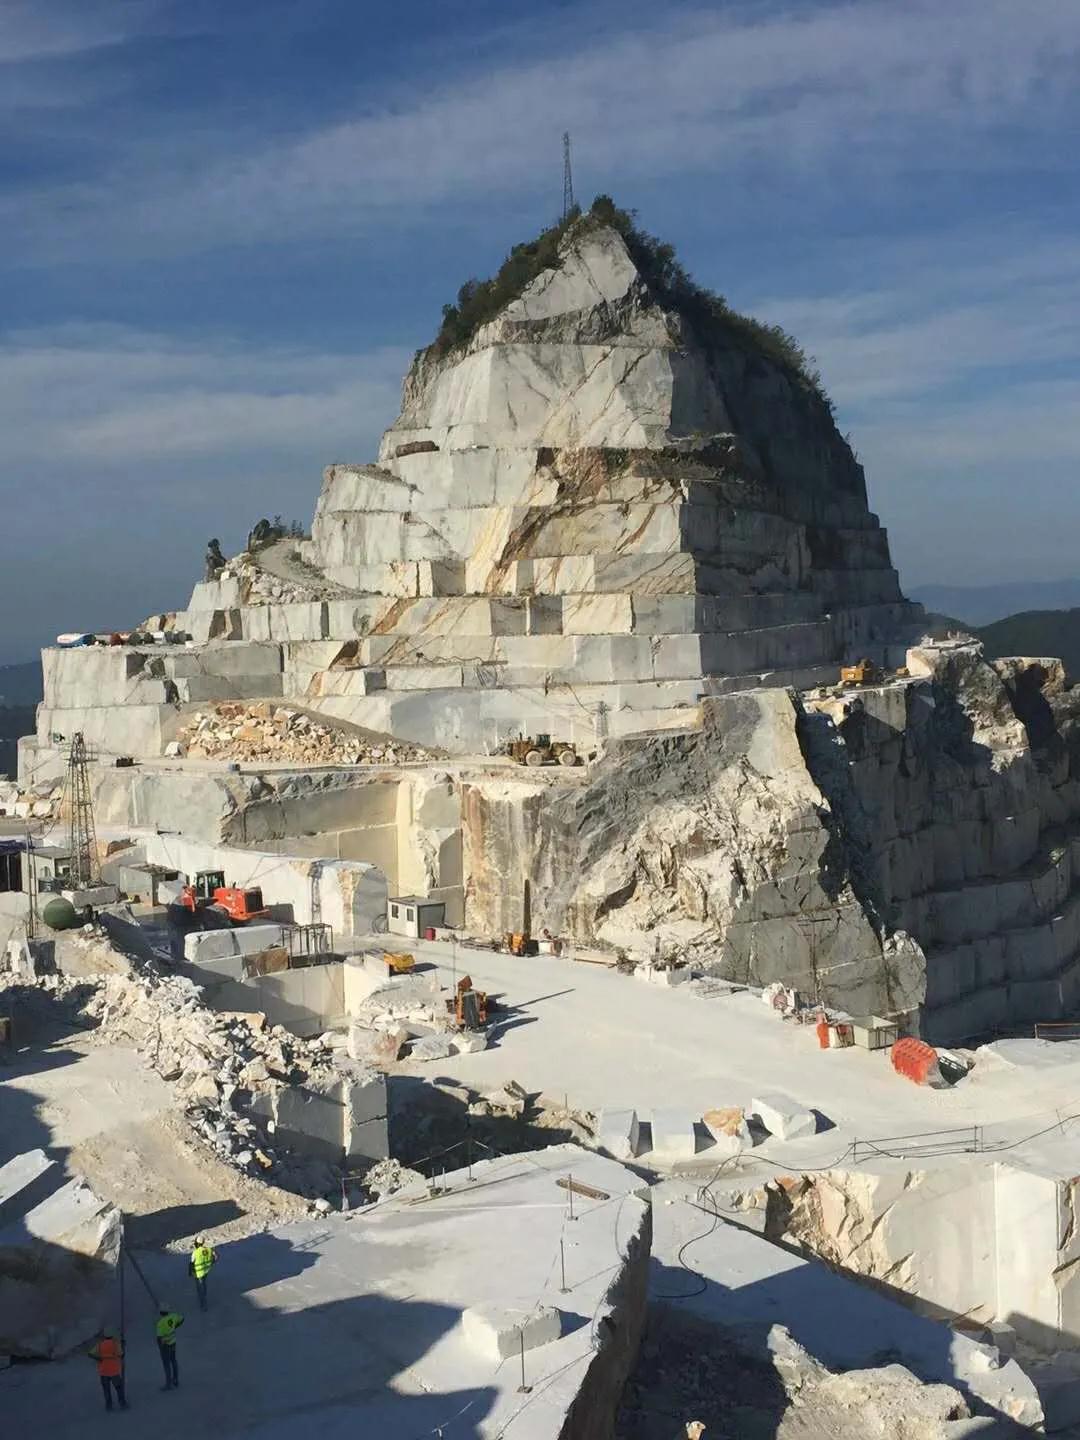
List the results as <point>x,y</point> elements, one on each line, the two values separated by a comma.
<point>21,684</point>
<point>1036,632</point>
<point>983,604</point>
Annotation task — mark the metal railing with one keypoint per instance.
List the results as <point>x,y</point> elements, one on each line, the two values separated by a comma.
<point>1057,1030</point>
<point>967,1138</point>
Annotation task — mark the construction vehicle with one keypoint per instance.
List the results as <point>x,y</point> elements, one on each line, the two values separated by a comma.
<point>519,942</point>
<point>398,963</point>
<point>208,891</point>
<point>470,1005</point>
<point>863,672</point>
<point>542,750</point>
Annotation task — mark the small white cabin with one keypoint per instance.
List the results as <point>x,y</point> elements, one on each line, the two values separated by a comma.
<point>413,915</point>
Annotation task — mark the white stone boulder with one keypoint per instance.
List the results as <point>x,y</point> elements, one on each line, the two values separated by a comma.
<point>619,1133</point>
<point>783,1117</point>
<point>500,1334</point>
<point>431,1047</point>
<point>59,1245</point>
<point>727,1125</point>
<point>673,1136</point>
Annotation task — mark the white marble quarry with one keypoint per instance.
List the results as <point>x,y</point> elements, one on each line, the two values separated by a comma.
<point>589,493</point>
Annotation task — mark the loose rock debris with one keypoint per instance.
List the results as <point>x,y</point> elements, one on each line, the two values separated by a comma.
<point>279,733</point>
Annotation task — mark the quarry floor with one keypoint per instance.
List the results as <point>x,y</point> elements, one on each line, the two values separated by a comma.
<point>349,1326</point>
<point>608,1041</point>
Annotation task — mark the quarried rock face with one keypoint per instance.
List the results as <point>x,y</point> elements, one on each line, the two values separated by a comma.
<point>914,845</point>
<point>716,842</point>
<point>595,502</point>
<point>586,518</point>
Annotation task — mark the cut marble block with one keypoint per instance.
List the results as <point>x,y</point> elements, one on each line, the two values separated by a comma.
<point>619,1133</point>
<point>673,1135</point>
<point>499,1333</point>
<point>783,1117</point>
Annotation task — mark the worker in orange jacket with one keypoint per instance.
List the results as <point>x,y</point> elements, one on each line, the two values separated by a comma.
<point>109,1354</point>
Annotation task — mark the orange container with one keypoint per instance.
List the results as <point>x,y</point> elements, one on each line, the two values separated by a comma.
<point>915,1060</point>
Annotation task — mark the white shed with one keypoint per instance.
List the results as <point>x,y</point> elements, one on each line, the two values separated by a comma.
<point>411,915</point>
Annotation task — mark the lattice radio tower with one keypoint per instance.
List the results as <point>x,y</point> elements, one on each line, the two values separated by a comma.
<point>567,177</point>
<point>84,864</point>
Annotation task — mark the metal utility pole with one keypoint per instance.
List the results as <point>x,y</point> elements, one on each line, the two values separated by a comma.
<point>316,892</point>
<point>31,888</point>
<point>84,863</point>
<point>568,177</point>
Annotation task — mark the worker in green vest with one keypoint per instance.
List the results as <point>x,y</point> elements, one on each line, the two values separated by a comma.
<point>203,1259</point>
<point>168,1322</point>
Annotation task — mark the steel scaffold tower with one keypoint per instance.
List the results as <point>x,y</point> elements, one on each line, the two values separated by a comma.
<point>84,864</point>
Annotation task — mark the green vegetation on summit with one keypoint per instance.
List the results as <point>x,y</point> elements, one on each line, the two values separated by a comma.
<point>480,301</point>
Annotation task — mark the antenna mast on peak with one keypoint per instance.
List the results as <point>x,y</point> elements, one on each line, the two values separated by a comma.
<point>568,177</point>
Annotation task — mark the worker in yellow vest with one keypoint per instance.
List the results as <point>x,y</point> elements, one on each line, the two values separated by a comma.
<point>203,1259</point>
<point>109,1354</point>
<point>168,1322</point>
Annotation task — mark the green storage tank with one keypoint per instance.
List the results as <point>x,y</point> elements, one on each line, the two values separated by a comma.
<point>59,914</point>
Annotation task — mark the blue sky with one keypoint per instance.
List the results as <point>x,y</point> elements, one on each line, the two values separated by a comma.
<point>227,226</point>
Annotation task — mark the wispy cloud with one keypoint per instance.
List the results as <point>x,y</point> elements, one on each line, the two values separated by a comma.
<point>31,31</point>
<point>107,394</point>
<point>127,449</point>
<point>873,87</point>
<point>959,382</point>
<point>967,311</point>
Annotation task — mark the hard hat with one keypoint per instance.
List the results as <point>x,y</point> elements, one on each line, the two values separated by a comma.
<point>107,1332</point>
<point>200,1239</point>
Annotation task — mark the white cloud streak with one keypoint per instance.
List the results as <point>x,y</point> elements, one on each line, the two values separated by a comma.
<point>33,31</point>
<point>959,382</point>
<point>967,314</point>
<point>109,395</point>
<point>872,88</point>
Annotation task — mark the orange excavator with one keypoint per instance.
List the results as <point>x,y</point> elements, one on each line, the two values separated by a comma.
<point>209,891</point>
<point>469,1005</point>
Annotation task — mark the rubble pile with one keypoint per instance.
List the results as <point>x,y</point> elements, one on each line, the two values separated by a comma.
<point>265,731</point>
<point>261,587</point>
<point>387,1177</point>
<point>220,1064</point>
<point>38,802</point>
<point>687,1367</point>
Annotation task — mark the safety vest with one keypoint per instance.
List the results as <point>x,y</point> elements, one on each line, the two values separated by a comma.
<point>107,1353</point>
<point>202,1257</point>
<point>167,1325</point>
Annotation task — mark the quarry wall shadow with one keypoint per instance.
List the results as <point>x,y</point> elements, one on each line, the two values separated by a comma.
<point>249,1363</point>
<point>432,1131</point>
<point>49,1295</point>
<point>838,1322</point>
<point>41,1026</point>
